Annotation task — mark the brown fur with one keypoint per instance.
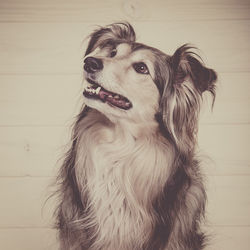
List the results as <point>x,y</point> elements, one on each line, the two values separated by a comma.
<point>131,178</point>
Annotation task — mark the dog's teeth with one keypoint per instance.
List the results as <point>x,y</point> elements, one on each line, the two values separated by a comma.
<point>97,90</point>
<point>116,97</point>
<point>88,89</point>
<point>110,96</point>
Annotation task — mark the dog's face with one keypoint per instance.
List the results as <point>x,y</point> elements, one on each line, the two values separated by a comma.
<point>120,81</point>
<point>128,80</point>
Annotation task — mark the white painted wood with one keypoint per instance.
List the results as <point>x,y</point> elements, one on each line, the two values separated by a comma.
<point>32,151</point>
<point>23,202</point>
<point>228,200</point>
<point>39,100</point>
<point>229,238</point>
<point>232,100</point>
<point>28,239</point>
<point>53,48</point>
<point>225,144</point>
<point>87,10</point>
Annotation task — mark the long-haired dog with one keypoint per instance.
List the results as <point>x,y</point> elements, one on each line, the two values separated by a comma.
<point>131,179</point>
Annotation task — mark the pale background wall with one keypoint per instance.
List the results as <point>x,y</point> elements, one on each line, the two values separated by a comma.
<point>41,50</point>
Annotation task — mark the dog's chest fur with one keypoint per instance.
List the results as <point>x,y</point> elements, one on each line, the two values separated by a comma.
<point>123,178</point>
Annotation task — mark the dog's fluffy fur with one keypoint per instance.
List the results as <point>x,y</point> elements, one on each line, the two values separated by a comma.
<point>131,178</point>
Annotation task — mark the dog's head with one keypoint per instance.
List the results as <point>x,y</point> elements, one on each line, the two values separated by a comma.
<point>126,79</point>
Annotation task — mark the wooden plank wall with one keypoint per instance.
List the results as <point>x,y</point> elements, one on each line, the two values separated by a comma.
<point>41,50</point>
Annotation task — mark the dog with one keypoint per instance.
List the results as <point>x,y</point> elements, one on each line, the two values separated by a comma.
<point>131,179</point>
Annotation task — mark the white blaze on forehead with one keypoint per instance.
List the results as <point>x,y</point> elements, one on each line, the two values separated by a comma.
<point>123,49</point>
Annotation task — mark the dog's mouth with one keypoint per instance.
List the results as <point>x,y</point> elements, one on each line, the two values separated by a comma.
<point>97,92</point>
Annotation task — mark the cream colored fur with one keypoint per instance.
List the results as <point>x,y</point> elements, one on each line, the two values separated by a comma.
<point>127,171</point>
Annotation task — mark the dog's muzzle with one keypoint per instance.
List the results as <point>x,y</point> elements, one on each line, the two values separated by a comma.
<point>92,64</point>
<point>96,91</point>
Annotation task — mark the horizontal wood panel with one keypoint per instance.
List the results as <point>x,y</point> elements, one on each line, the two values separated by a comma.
<point>31,151</point>
<point>221,167</point>
<point>222,238</point>
<point>232,100</point>
<point>57,48</point>
<point>35,100</point>
<point>87,10</point>
<point>35,150</point>
<point>23,202</point>
<point>28,239</point>
<point>229,238</point>
<point>226,145</point>
<point>228,201</point>
<point>39,100</point>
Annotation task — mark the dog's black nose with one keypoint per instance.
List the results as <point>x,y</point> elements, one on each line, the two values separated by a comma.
<point>92,64</point>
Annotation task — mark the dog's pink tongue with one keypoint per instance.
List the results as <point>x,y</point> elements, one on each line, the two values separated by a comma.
<point>103,95</point>
<point>115,100</point>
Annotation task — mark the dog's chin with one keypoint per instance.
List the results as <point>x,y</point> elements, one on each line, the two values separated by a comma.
<point>105,101</point>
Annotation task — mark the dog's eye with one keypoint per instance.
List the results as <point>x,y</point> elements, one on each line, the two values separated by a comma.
<point>113,53</point>
<point>141,68</point>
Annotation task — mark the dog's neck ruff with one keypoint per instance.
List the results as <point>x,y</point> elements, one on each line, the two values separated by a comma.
<point>123,175</point>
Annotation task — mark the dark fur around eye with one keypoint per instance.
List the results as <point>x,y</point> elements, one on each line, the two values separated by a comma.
<point>113,53</point>
<point>141,68</point>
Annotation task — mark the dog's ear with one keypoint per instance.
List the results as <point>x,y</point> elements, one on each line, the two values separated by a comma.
<point>188,66</point>
<point>181,98</point>
<point>114,33</point>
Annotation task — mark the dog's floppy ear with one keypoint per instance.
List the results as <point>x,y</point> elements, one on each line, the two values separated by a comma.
<point>187,65</point>
<point>181,98</point>
<point>113,33</point>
